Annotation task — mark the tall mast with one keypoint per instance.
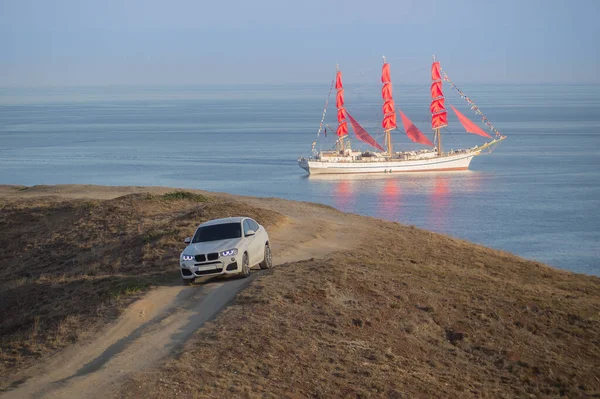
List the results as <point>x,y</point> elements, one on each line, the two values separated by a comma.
<point>389,112</point>
<point>439,115</point>
<point>342,129</point>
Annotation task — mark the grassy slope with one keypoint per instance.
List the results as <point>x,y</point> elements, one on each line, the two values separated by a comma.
<point>68,266</point>
<point>411,313</point>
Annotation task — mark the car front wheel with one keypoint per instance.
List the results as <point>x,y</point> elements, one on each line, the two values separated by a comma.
<point>268,260</point>
<point>245,266</point>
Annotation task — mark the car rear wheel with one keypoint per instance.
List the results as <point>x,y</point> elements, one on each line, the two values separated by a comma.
<point>245,266</point>
<point>268,261</point>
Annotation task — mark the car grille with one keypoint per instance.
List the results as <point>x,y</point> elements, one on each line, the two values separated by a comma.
<point>204,258</point>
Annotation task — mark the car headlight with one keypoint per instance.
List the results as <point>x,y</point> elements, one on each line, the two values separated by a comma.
<point>187,257</point>
<point>229,252</point>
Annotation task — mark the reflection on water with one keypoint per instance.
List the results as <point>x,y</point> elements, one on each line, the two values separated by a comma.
<point>423,199</point>
<point>391,200</point>
<point>344,196</point>
<point>439,204</point>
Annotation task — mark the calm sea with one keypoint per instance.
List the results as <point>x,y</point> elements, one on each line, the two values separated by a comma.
<point>537,195</point>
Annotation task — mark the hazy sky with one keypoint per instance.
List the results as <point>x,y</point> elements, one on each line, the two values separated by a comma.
<point>104,42</point>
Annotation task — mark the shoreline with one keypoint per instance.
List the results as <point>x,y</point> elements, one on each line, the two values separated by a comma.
<point>74,191</point>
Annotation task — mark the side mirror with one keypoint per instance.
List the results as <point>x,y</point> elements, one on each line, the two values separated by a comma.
<point>187,240</point>
<point>250,233</point>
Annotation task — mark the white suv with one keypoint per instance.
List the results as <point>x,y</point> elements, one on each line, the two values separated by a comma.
<point>225,246</point>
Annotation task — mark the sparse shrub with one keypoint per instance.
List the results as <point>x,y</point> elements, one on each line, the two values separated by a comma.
<point>130,288</point>
<point>184,195</point>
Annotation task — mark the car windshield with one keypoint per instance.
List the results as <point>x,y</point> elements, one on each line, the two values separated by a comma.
<point>218,232</point>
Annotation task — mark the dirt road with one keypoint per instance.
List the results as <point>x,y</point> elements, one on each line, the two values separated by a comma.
<point>156,325</point>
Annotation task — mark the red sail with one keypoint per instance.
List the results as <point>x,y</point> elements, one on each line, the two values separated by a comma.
<point>435,71</point>
<point>388,107</point>
<point>385,73</point>
<point>469,125</point>
<point>342,129</point>
<point>389,114</point>
<point>386,91</point>
<point>436,90</point>
<point>338,80</point>
<point>362,134</point>
<point>439,116</point>
<point>439,120</point>
<point>341,115</point>
<point>340,98</point>
<point>389,121</point>
<point>437,106</point>
<point>413,132</point>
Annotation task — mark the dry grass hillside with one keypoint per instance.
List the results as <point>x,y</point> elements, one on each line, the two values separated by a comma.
<point>408,314</point>
<point>404,313</point>
<point>67,266</point>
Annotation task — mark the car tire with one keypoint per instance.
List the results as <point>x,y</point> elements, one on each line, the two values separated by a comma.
<point>268,260</point>
<point>245,266</point>
<point>188,281</point>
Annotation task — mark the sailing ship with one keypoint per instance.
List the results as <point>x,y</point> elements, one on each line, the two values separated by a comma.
<point>342,159</point>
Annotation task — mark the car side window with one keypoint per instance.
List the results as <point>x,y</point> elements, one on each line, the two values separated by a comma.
<point>254,225</point>
<point>246,227</point>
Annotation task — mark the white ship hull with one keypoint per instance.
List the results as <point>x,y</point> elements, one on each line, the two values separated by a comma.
<point>459,161</point>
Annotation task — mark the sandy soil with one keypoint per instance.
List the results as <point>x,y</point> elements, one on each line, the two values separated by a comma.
<point>357,307</point>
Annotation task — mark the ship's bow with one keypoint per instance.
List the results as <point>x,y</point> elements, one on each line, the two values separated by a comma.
<point>303,163</point>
